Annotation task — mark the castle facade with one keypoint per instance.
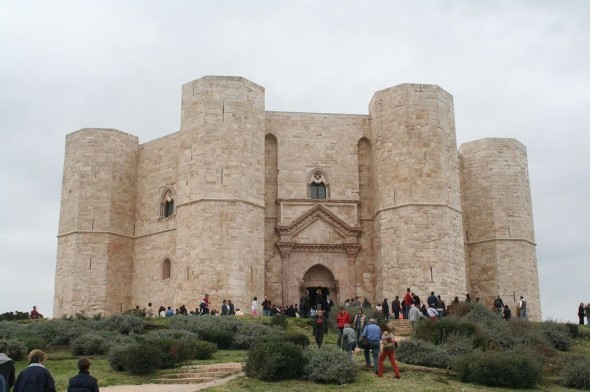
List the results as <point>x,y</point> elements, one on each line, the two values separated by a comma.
<point>241,202</point>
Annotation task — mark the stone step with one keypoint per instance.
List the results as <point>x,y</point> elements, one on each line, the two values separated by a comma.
<point>401,327</point>
<point>196,374</point>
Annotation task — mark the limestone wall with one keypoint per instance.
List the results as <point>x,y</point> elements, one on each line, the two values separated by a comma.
<point>220,215</point>
<point>418,223</point>
<point>96,232</point>
<point>500,242</point>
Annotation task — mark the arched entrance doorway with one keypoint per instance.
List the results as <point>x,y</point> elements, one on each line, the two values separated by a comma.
<point>320,278</point>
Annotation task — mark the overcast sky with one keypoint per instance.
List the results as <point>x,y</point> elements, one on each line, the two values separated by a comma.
<point>515,69</point>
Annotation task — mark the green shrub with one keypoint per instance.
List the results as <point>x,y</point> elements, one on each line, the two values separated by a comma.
<point>528,337</point>
<point>420,352</point>
<point>34,343</point>
<point>13,316</point>
<point>175,346</point>
<point>507,370</point>
<point>204,350</point>
<point>576,373</point>
<point>115,357</point>
<point>140,358</point>
<point>68,331</point>
<point>293,337</point>
<point>223,339</point>
<point>574,329</point>
<point>279,320</point>
<point>437,331</point>
<point>89,344</point>
<point>459,309</point>
<point>558,335</point>
<point>17,350</point>
<point>199,324</point>
<point>456,346</point>
<point>9,329</point>
<point>122,323</point>
<point>273,361</point>
<point>329,366</point>
<point>248,333</point>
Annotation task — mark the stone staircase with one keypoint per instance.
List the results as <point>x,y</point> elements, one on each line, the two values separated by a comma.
<point>401,327</point>
<point>196,374</point>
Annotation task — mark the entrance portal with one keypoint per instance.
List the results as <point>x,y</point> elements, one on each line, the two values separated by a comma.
<point>320,278</point>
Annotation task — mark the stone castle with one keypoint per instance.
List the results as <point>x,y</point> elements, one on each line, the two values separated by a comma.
<point>241,202</point>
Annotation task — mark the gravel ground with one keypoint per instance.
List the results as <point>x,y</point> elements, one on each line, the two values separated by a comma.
<point>167,387</point>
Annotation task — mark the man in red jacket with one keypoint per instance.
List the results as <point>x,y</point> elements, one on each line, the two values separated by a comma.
<point>342,318</point>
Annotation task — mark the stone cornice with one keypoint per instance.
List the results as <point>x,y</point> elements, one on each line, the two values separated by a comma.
<point>417,205</point>
<point>501,239</point>
<point>95,232</point>
<point>287,247</point>
<point>324,214</point>
<point>221,199</point>
<point>324,201</point>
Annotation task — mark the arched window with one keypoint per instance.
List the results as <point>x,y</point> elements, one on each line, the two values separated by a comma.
<point>317,191</point>
<point>166,269</point>
<point>318,185</point>
<point>167,208</point>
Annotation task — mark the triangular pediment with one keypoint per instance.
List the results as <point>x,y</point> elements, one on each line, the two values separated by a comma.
<point>325,216</point>
<point>318,231</point>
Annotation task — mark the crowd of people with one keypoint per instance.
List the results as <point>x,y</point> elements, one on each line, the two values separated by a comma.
<point>36,377</point>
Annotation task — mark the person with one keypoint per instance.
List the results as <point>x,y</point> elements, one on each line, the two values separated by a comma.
<point>467,298</point>
<point>385,308</point>
<point>522,308</point>
<point>204,305</point>
<point>349,340</point>
<point>396,307</point>
<point>378,308</point>
<point>239,312</point>
<point>149,312</point>
<point>319,299</point>
<point>372,333</point>
<point>440,307</point>
<point>328,305</point>
<point>506,313</point>
<point>254,308</point>
<point>320,327</point>
<point>587,309</point>
<point>360,321</point>
<point>35,314</point>
<point>366,303</point>
<point>169,312</point>
<point>266,306</point>
<point>35,377</point>
<point>224,308</point>
<point>498,304</point>
<point>581,313</point>
<point>183,310</point>
<point>7,369</point>
<point>432,313</point>
<point>342,318</point>
<point>432,300</point>
<point>83,382</point>
<point>387,350</point>
<point>305,304</point>
<point>414,314</point>
<point>409,301</point>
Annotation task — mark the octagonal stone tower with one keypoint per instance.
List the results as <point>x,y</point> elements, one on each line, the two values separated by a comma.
<point>96,225</point>
<point>418,221</point>
<point>498,217</point>
<point>220,212</point>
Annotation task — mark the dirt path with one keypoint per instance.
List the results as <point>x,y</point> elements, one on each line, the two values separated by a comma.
<point>167,387</point>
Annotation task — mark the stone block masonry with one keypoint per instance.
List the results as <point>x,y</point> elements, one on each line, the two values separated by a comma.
<point>241,202</point>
